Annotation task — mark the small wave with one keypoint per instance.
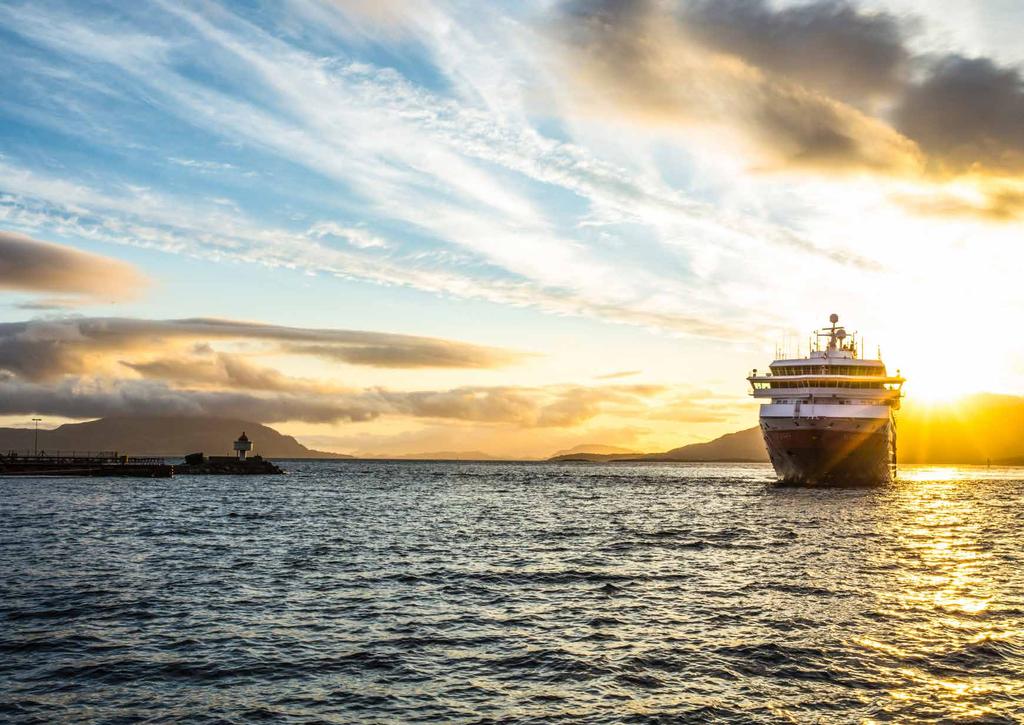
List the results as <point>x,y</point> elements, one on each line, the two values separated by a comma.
<point>986,649</point>
<point>549,665</point>
<point>698,544</point>
<point>647,682</point>
<point>807,590</point>
<point>65,613</point>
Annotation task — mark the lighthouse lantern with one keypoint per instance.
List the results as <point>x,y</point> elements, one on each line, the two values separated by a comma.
<point>242,446</point>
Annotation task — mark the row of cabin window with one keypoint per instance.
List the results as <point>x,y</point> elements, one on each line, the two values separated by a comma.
<point>825,384</point>
<point>781,401</point>
<point>830,370</point>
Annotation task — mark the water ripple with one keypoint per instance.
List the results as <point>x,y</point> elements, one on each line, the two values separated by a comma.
<point>498,593</point>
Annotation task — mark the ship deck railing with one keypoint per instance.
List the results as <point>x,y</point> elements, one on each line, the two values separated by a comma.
<point>825,393</point>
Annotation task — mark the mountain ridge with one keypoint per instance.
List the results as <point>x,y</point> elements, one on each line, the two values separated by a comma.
<point>440,456</point>
<point>743,446</point>
<point>167,436</point>
<point>598,448</point>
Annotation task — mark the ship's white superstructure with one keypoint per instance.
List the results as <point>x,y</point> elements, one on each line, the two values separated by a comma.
<point>829,417</point>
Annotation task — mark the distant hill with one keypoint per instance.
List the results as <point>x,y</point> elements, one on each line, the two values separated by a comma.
<point>160,436</point>
<point>974,429</point>
<point>745,445</point>
<point>445,456</point>
<point>598,448</point>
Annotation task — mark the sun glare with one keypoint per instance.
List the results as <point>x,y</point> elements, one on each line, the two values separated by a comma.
<point>929,381</point>
<point>926,385</point>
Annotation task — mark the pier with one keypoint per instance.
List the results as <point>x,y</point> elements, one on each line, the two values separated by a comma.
<point>106,464</point>
<point>109,464</point>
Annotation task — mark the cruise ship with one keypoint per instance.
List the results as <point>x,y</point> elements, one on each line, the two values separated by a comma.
<point>829,418</point>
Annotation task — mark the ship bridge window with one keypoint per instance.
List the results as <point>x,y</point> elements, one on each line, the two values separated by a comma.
<point>825,382</point>
<point>828,371</point>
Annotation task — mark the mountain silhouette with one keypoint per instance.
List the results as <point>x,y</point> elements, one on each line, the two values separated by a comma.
<point>441,456</point>
<point>160,436</point>
<point>598,448</point>
<point>745,445</point>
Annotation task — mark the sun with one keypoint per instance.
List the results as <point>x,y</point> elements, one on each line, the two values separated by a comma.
<point>933,384</point>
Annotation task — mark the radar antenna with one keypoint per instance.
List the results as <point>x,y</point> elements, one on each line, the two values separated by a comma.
<point>835,334</point>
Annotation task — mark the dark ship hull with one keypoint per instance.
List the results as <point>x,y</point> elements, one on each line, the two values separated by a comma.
<point>831,451</point>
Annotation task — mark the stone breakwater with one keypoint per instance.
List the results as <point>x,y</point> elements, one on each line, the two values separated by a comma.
<point>199,465</point>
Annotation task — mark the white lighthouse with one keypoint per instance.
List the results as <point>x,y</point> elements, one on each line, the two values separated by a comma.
<point>242,446</point>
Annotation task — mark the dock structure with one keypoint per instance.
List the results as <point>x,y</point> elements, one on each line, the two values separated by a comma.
<point>111,464</point>
<point>241,464</point>
<point>105,464</point>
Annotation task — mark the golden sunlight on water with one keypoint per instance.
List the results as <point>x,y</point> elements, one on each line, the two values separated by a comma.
<point>945,592</point>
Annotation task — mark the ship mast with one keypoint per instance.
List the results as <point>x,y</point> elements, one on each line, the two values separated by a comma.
<point>837,336</point>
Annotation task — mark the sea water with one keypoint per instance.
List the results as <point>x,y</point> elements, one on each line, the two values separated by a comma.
<point>498,592</point>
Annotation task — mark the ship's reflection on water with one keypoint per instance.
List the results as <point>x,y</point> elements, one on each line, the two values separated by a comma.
<point>464,592</point>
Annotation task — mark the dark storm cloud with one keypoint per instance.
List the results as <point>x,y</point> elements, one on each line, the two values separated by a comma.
<point>642,58</point>
<point>831,46</point>
<point>31,265</point>
<point>89,399</point>
<point>552,406</point>
<point>222,370</point>
<point>967,112</point>
<point>824,85</point>
<point>55,367</point>
<point>46,349</point>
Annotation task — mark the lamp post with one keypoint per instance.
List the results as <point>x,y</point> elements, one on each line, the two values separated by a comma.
<point>36,444</point>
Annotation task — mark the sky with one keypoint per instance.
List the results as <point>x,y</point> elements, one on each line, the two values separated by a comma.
<point>392,227</point>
